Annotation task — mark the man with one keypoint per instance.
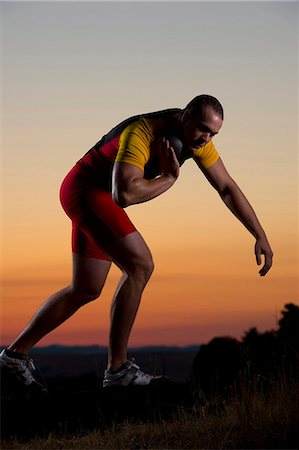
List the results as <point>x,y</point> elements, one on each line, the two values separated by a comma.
<point>132,164</point>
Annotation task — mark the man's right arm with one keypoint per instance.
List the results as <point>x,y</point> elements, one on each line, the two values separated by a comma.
<point>130,187</point>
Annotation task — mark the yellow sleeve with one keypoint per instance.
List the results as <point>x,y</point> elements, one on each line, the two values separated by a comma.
<point>207,155</point>
<point>134,144</point>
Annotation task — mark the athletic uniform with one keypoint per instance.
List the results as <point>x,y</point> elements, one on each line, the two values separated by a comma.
<point>85,194</point>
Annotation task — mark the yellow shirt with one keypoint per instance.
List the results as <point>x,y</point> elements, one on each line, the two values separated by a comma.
<point>137,144</point>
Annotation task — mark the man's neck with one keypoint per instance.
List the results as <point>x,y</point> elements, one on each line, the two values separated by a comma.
<point>176,125</point>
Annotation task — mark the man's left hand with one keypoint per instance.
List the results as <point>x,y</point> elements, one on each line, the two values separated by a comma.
<point>262,247</point>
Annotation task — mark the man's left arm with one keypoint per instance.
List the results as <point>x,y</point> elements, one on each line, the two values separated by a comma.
<point>236,201</point>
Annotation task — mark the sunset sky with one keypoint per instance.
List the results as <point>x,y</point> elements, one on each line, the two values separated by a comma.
<point>73,70</point>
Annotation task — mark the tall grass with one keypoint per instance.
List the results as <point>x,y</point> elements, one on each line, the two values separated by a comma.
<point>257,414</point>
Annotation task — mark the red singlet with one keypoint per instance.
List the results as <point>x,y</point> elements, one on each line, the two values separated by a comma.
<point>97,221</point>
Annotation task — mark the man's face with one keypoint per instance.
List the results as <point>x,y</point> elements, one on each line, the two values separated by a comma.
<point>198,130</point>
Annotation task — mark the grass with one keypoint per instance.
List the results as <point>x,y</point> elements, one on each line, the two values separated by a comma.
<point>254,417</point>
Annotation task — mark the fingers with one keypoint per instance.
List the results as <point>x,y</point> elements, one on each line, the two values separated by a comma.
<point>258,254</point>
<point>266,267</point>
<point>173,156</point>
<point>263,249</point>
<point>168,162</point>
<point>165,149</point>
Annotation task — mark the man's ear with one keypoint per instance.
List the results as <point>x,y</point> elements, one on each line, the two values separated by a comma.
<point>185,115</point>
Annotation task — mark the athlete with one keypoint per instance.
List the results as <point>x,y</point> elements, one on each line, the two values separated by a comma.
<point>131,164</point>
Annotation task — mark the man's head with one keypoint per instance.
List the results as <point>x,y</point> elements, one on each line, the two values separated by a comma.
<point>201,120</point>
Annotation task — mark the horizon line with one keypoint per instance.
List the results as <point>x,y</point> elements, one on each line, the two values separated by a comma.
<point>106,346</point>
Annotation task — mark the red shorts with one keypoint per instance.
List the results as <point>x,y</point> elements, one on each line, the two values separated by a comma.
<point>97,221</point>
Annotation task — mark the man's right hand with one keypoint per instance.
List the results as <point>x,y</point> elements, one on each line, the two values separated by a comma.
<point>168,162</point>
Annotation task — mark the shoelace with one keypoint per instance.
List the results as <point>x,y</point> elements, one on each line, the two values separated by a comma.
<point>28,367</point>
<point>29,364</point>
<point>131,363</point>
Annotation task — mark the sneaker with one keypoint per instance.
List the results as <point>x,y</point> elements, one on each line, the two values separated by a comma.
<point>19,366</point>
<point>130,375</point>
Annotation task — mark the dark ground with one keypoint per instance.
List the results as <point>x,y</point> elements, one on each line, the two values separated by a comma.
<point>76,399</point>
<point>77,403</point>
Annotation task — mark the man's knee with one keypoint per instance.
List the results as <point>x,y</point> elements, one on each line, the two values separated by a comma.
<point>141,269</point>
<point>149,267</point>
<point>85,294</point>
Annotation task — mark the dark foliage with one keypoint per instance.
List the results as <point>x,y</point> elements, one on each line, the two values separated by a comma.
<point>225,362</point>
<point>217,364</point>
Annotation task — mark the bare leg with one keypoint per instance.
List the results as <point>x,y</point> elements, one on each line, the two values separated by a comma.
<point>132,255</point>
<point>89,276</point>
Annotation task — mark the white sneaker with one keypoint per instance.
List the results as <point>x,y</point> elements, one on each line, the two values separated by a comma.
<point>130,375</point>
<point>19,366</point>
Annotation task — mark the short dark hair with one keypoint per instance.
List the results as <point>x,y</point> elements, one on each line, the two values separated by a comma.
<point>201,101</point>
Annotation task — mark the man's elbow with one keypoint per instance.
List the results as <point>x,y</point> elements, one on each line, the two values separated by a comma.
<point>121,198</point>
<point>227,188</point>
<point>224,192</point>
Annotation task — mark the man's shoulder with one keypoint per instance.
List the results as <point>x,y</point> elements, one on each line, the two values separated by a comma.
<point>155,122</point>
<point>146,122</point>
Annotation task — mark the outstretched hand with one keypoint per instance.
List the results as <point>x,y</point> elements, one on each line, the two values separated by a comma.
<point>262,247</point>
<point>168,162</point>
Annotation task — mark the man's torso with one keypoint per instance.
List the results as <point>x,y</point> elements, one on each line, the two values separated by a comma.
<point>134,141</point>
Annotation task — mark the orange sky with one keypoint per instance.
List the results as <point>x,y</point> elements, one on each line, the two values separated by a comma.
<point>206,280</point>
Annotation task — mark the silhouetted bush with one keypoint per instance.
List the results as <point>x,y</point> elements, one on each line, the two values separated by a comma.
<point>288,326</point>
<point>217,365</point>
<point>261,352</point>
<point>258,358</point>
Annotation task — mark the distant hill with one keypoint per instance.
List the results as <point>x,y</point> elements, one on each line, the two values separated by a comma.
<point>101,349</point>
